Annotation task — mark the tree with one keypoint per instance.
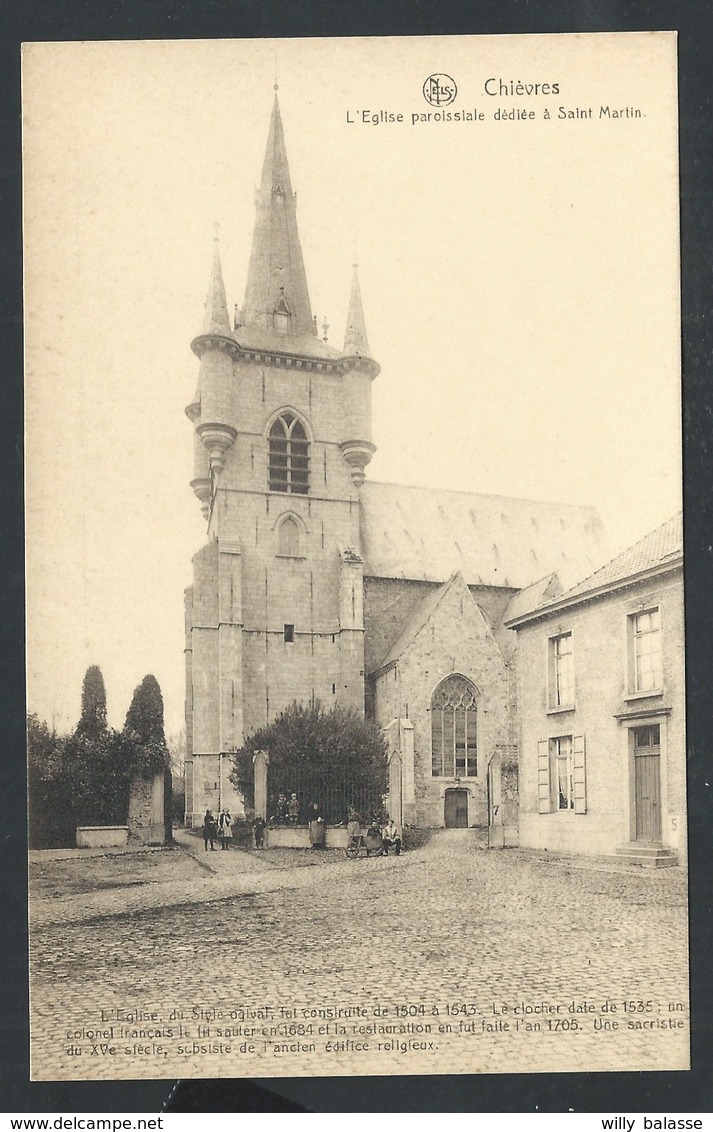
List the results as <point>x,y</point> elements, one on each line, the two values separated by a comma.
<point>97,777</point>
<point>96,783</point>
<point>92,720</point>
<point>334,758</point>
<point>177,752</point>
<point>144,730</point>
<point>144,749</point>
<point>47,787</point>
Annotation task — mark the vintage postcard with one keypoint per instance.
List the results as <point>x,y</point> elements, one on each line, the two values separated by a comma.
<point>355,565</point>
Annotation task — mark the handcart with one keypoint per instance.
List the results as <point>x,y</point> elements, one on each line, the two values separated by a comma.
<point>365,842</point>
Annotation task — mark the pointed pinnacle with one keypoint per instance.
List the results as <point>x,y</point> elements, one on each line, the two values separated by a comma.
<point>216,319</point>
<point>355,339</point>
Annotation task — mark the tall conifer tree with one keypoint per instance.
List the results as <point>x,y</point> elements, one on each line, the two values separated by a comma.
<point>92,721</point>
<point>144,727</point>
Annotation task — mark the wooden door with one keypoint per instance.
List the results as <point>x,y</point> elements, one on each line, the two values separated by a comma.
<point>647,783</point>
<point>456,809</point>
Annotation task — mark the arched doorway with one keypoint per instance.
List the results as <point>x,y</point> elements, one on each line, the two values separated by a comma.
<point>456,809</point>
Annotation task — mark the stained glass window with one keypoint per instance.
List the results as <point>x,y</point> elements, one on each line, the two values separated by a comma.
<point>454,729</point>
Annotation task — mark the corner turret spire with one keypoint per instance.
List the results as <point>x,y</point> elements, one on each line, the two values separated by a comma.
<point>216,319</point>
<point>355,339</point>
<point>276,295</point>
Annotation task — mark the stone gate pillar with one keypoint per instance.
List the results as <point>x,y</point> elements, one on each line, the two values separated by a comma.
<point>395,805</point>
<point>408,771</point>
<point>261,761</point>
<point>496,832</point>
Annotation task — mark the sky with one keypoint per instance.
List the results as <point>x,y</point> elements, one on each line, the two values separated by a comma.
<point>520,280</point>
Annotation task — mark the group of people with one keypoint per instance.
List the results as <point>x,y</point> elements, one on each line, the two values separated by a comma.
<point>287,811</point>
<point>217,829</point>
<point>379,836</point>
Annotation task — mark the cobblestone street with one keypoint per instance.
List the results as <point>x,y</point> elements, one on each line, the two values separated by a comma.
<point>446,959</point>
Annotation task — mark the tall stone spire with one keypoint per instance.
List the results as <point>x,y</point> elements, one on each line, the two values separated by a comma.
<point>215,320</point>
<point>276,295</point>
<point>355,339</point>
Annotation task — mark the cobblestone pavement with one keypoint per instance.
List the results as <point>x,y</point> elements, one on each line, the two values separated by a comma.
<point>446,959</point>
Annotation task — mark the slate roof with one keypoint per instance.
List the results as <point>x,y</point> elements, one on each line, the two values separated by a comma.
<point>662,547</point>
<point>428,535</point>
<point>531,597</point>
<point>262,337</point>
<point>415,622</point>
<point>276,270</point>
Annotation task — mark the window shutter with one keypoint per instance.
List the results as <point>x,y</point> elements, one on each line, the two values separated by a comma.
<point>580,778</point>
<point>544,794</point>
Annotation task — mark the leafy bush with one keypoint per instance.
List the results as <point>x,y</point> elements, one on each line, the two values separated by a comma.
<point>243,833</point>
<point>333,758</point>
<point>413,838</point>
<point>47,788</point>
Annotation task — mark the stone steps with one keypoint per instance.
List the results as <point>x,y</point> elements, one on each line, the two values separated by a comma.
<point>648,856</point>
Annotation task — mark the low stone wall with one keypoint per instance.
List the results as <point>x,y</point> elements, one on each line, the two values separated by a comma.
<point>297,837</point>
<point>101,836</point>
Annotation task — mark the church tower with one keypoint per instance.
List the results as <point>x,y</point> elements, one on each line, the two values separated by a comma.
<point>282,437</point>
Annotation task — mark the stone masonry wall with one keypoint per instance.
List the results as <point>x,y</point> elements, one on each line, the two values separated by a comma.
<point>146,820</point>
<point>456,639</point>
<point>389,602</point>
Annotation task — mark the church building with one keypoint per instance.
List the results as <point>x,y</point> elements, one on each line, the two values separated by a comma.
<point>317,584</point>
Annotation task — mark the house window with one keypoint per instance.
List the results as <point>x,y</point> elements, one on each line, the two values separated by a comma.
<point>288,456</point>
<point>288,538</point>
<point>561,671</point>
<point>561,775</point>
<point>454,729</point>
<point>289,634</point>
<point>647,737</point>
<point>645,664</point>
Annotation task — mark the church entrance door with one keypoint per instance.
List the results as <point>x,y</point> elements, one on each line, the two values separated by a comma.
<point>456,809</point>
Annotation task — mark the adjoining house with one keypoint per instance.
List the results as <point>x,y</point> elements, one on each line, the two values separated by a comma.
<point>601,707</point>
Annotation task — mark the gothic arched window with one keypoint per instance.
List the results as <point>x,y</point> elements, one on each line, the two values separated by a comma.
<point>454,729</point>
<point>288,456</point>
<point>281,317</point>
<point>288,538</point>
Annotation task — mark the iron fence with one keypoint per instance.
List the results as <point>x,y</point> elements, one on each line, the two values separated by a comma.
<point>335,795</point>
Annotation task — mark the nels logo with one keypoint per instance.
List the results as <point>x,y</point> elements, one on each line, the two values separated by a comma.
<point>439,90</point>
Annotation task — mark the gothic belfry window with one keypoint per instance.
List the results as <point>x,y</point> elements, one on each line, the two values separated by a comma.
<point>288,456</point>
<point>454,729</point>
